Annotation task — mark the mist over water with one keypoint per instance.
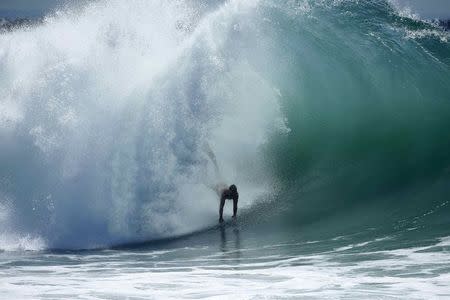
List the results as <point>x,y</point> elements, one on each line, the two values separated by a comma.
<point>106,114</point>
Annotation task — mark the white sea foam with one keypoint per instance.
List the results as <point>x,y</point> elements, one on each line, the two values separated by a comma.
<point>11,240</point>
<point>442,35</point>
<point>17,242</point>
<point>413,273</point>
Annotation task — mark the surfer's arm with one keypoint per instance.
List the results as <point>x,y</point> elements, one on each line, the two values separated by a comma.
<point>222,203</point>
<point>235,203</point>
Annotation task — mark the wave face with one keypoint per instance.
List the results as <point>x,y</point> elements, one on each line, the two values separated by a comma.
<point>367,100</point>
<point>332,106</point>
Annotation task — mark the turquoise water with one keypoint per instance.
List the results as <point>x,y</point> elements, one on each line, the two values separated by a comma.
<point>331,117</point>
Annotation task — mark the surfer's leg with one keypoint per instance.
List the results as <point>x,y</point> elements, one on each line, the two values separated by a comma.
<point>213,159</point>
<point>235,203</point>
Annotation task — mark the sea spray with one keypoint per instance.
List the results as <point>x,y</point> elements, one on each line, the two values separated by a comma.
<point>106,111</point>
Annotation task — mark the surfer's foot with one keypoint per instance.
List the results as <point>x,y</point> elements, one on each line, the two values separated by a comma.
<point>220,220</point>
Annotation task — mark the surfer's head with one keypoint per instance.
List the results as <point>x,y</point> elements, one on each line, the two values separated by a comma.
<point>233,190</point>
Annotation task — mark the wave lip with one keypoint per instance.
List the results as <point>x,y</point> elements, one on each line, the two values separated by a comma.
<point>432,9</point>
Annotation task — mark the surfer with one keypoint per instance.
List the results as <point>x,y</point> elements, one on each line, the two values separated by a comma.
<point>224,192</point>
<point>230,193</point>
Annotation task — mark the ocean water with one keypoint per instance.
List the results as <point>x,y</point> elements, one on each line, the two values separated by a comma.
<point>331,117</point>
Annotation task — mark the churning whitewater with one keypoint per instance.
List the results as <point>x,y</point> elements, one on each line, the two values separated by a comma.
<point>106,114</point>
<point>331,117</point>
